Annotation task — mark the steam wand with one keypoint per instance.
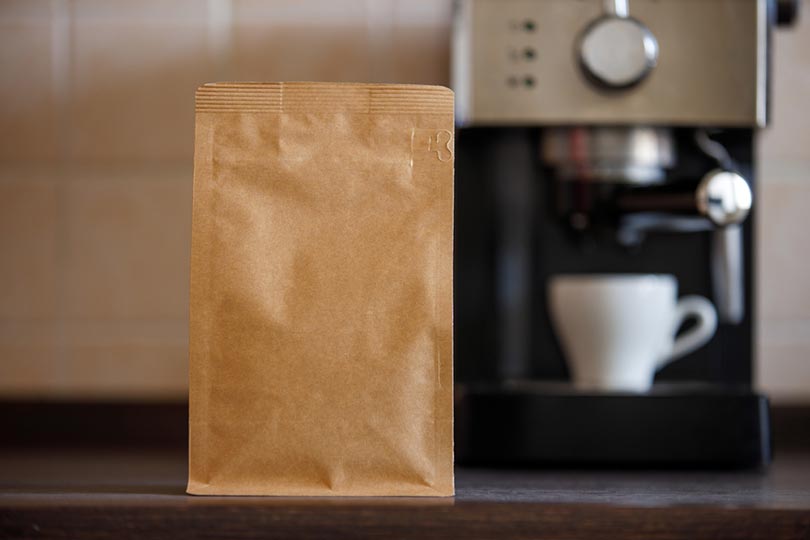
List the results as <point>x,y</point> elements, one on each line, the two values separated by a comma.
<point>720,204</point>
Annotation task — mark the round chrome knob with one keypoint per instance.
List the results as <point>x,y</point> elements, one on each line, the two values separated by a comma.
<point>724,197</point>
<point>617,52</point>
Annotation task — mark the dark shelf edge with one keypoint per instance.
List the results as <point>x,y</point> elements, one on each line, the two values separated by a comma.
<point>25,423</point>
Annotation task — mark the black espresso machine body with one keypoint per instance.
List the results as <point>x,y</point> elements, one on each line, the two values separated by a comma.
<point>573,161</point>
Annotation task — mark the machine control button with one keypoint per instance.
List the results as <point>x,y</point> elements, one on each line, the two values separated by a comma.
<point>724,197</point>
<point>617,52</point>
<point>787,11</point>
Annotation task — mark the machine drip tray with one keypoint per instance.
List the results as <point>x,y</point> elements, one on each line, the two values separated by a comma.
<point>537,424</point>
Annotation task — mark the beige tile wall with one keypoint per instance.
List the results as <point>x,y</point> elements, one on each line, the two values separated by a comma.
<point>26,84</point>
<point>783,260</point>
<point>96,140</point>
<point>96,134</point>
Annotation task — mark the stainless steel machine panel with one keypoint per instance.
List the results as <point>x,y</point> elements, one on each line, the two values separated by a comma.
<point>519,62</point>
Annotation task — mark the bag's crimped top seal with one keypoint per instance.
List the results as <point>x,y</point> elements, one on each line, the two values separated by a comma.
<point>324,97</point>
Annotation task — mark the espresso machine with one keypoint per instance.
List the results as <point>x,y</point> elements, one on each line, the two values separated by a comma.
<point>606,136</point>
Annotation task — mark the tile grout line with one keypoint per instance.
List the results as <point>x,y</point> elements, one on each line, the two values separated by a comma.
<point>61,52</point>
<point>219,36</point>
<point>61,62</point>
<point>379,29</point>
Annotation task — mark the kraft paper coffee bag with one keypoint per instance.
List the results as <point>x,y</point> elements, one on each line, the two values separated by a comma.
<point>321,290</point>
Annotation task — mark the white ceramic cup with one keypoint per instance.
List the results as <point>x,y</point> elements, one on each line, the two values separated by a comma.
<point>617,330</point>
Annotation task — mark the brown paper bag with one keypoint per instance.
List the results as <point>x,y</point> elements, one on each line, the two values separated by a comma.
<point>321,290</point>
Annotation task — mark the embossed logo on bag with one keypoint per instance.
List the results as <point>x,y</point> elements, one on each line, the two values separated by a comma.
<point>440,142</point>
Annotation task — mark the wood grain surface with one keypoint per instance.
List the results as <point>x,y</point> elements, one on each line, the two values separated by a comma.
<point>84,493</point>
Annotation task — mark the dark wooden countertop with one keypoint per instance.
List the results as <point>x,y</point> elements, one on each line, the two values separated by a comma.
<point>140,494</point>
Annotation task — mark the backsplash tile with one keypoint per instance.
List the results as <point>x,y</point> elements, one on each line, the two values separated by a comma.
<point>158,371</point>
<point>94,280</point>
<point>113,372</point>
<point>783,258</point>
<point>130,88</point>
<point>30,369</point>
<point>128,240</point>
<point>95,172</point>
<point>334,41</point>
<point>785,374</point>
<point>30,269</point>
<point>421,41</point>
<point>783,262</point>
<point>789,134</point>
<point>28,114</point>
<point>261,52</point>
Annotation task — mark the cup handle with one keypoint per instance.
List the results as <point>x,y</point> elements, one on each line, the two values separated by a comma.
<point>701,309</point>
